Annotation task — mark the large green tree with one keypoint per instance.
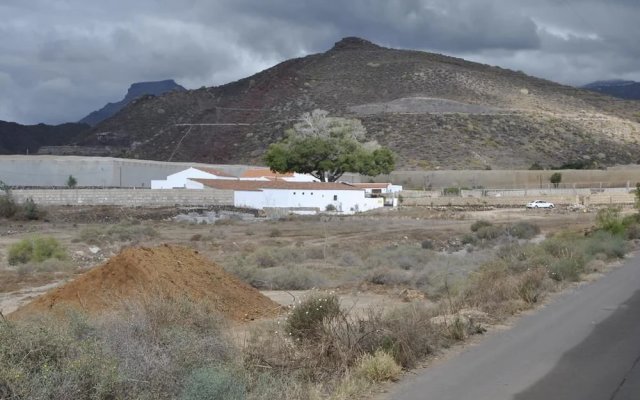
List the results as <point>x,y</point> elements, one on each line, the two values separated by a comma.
<point>327,147</point>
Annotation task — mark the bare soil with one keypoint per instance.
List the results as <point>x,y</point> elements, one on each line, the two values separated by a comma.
<point>169,271</point>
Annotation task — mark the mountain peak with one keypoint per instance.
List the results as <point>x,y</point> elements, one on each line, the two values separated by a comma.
<point>136,90</point>
<point>355,43</point>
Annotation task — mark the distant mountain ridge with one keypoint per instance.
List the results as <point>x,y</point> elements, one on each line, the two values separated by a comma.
<point>27,139</point>
<point>629,90</point>
<point>135,91</point>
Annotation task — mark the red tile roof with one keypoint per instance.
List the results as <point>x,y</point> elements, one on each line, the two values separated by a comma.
<point>216,172</point>
<point>258,185</point>
<point>264,172</point>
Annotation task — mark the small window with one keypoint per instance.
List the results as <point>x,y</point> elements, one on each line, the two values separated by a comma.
<point>303,193</point>
<point>294,192</point>
<point>312,193</point>
<point>335,197</point>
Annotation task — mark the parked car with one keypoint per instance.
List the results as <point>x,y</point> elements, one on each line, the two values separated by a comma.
<point>540,204</point>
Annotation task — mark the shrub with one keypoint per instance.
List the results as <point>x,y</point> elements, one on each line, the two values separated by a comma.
<point>567,269</point>
<point>48,359</point>
<point>36,249</point>
<point>427,244</point>
<point>524,230</point>
<point>608,219</point>
<point>489,232</point>
<point>378,367</point>
<point>530,285</point>
<point>612,246</point>
<point>30,209</point>
<point>71,182</point>
<point>306,318</point>
<point>330,208</point>
<point>480,224</point>
<point>469,239</point>
<point>8,207</point>
<point>213,383</point>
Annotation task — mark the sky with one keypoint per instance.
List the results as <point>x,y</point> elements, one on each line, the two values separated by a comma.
<point>61,59</point>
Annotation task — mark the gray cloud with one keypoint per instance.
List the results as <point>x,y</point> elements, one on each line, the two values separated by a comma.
<point>60,60</point>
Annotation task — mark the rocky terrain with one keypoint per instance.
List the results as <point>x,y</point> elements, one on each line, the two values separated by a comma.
<point>434,111</point>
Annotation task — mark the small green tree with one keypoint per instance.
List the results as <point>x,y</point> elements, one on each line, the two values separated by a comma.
<point>30,209</point>
<point>637,193</point>
<point>8,207</point>
<point>555,179</point>
<point>71,181</point>
<point>327,147</point>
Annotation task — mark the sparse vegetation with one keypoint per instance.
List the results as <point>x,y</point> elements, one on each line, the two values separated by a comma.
<point>122,232</point>
<point>35,250</point>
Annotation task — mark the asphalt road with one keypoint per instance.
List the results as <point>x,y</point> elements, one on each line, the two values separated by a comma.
<point>584,345</point>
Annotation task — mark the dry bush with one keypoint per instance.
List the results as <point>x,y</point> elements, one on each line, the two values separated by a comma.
<point>524,230</point>
<point>377,367</point>
<point>494,289</point>
<point>532,285</point>
<point>480,224</point>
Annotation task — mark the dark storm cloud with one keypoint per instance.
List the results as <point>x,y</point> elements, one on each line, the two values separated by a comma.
<point>59,60</point>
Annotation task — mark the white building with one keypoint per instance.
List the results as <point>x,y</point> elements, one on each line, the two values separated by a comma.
<point>341,197</point>
<point>378,188</point>
<point>183,179</point>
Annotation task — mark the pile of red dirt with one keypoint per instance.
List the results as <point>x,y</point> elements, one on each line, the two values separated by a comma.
<point>169,271</point>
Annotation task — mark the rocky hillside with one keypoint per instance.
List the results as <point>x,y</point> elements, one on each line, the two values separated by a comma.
<point>434,111</point>
<point>27,139</point>
<point>617,88</point>
<point>136,90</point>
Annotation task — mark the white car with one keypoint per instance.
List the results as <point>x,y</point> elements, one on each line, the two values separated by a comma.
<point>540,204</point>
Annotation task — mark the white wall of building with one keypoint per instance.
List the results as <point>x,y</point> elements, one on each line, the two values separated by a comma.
<point>346,201</point>
<point>181,180</point>
<point>389,189</point>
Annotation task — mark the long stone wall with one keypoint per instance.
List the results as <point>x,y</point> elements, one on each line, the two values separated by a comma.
<point>127,197</point>
<point>600,199</point>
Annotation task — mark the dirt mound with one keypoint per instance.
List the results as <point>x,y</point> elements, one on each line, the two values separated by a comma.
<point>170,271</point>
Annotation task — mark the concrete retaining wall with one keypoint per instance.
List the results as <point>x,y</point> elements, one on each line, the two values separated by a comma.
<point>508,179</point>
<point>127,197</point>
<point>47,171</point>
